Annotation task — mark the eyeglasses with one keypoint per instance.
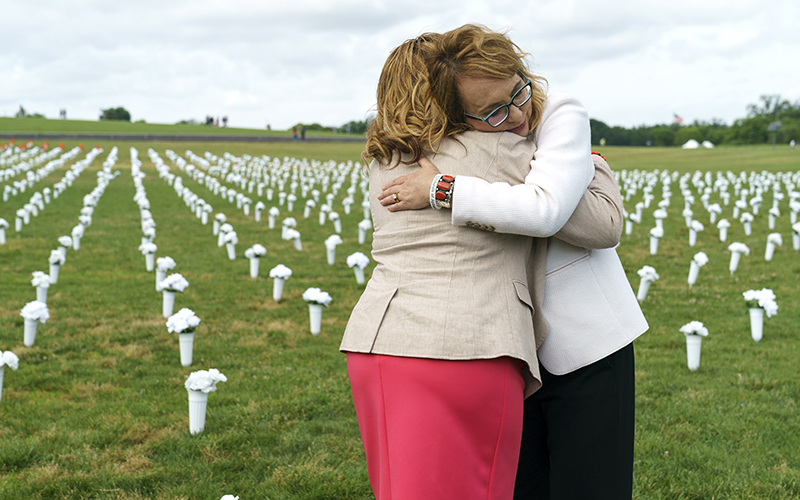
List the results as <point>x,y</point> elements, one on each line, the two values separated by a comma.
<point>499,115</point>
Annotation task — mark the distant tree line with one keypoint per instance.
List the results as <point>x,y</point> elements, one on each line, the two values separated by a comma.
<point>119,113</point>
<point>754,129</point>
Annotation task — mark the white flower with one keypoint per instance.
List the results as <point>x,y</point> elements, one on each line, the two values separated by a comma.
<point>184,321</point>
<point>723,223</point>
<point>56,258</point>
<point>3,223</point>
<point>280,271</point>
<point>225,228</point>
<point>164,264</point>
<point>35,310</point>
<point>260,206</point>
<point>290,222</point>
<point>220,217</point>
<point>41,279</point>
<point>764,298</point>
<point>746,217</point>
<point>657,232</point>
<point>694,328</point>
<point>291,234</point>
<point>9,359</point>
<point>65,241</point>
<point>700,258</point>
<point>660,213</point>
<point>148,247</point>
<point>332,241</point>
<point>256,251</point>
<point>204,381</point>
<point>77,231</point>
<point>365,224</point>
<point>648,273</point>
<point>739,247</point>
<point>231,237</point>
<point>229,497</point>
<point>274,212</point>
<point>775,239</point>
<point>796,227</point>
<point>317,296</point>
<point>174,283</point>
<point>697,225</point>
<point>357,259</point>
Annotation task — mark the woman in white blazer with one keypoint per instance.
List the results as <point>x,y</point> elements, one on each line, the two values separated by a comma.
<point>578,430</point>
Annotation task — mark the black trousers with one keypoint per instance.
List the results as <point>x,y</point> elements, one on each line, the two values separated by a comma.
<point>577,438</point>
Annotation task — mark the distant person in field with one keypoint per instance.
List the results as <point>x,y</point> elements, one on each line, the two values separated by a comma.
<point>294,133</point>
<point>303,133</point>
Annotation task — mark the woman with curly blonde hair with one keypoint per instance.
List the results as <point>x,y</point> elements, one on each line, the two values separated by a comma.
<point>578,429</point>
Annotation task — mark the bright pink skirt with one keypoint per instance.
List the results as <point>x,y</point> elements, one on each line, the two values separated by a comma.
<point>438,428</point>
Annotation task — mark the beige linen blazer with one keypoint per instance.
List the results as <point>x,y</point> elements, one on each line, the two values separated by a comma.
<point>585,308</point>
<point>443,291</point>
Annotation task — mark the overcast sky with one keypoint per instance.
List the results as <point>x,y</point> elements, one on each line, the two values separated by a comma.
<point>288,61</point>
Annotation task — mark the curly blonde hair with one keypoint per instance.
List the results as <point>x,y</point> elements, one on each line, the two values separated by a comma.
<point>476,51</point>
<point>418,99</point>
<point>408,120</point>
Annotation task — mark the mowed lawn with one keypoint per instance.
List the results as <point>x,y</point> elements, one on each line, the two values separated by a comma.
<point>98,409</point>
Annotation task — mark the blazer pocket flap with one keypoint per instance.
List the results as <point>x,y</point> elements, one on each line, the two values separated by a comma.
<point>523,293</point>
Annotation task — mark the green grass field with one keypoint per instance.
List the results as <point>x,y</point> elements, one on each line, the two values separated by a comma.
<point>21,125</point>
<point>98,409</point>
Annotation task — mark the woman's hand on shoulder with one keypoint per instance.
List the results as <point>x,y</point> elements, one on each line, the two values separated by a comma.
<point>410,192</point>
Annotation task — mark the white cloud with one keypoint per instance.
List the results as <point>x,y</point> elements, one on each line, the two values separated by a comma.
<point>631,62</point>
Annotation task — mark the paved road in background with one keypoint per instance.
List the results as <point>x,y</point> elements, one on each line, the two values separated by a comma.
<point>167,137</point>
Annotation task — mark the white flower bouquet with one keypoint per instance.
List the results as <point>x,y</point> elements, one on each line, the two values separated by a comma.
<point>330,245</point>
<point>363,226</point>
<point>9,359</point>
<point>647,274</point>
<point>316,299</point>
<point>174,283</point>
<point>34,313</point>
<point>254,253</point>
<point>184,321</point>
<point>204,380</point>
<point>231,239</point>
<point>42,282</point>
<point>198,385</point>
<point>148,247</point>
<point>759,302</point>
<point>773,240</point>
<point>165,264</point>
<point>694,227</point>
<point>358,262</point>
<point>723,226</point>
<point>737,250</point>
<point>699,260</point>
<point>694,331</point>
<point>3,227</point>
<point>280,274</point>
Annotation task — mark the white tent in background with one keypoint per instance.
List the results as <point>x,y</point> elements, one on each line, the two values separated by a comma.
<point>708,144</point>
<point>691,144</point>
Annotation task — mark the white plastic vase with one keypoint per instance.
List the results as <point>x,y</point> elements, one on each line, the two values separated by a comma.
<point>644,287</point>
<point>2,236</point>
<point>160,275</point>
<point>2,369</point>
<point>735,212</point>
<point>258,215</point>
<point>362,235</point>
<point>149,261</point>
<point>692,237</point>
<point>322,217</point>
<point>723,234</point>
<point>246,208</point>
<point>220,239</point>
<point>653,245</point>
<point>628,226</point>
<point>54,273</point>
<point>30,331</point>
<point>168,303</point>
<point>747,228</point>
<point>271,221</point>
<point>231,250</point>
<point>76,242</point>
<point>756,323</point>
<point>198,402</point>
<point>771,221</point>
<point>694,270</point>
<point>18,224</point>
<point>796,241</point>
<point>277,289</point>
<point>215,227</point>
<point>770,251</point>
<point>337,226</point>
<point>254,262</point>
<point>660,223</point>
<point>693,344</point>
<point>63,251</point>
<point>359,272</point>
<point>298,245</point>
<point>204,218</point>
<point>315,317</point>
<point>331,251</point>
<point>187,343</point>
<point>735,257</point>
<point>41,294</point>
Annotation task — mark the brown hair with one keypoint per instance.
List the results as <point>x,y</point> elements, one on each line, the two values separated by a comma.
<point>476,51</point>
<point>408,120</point>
